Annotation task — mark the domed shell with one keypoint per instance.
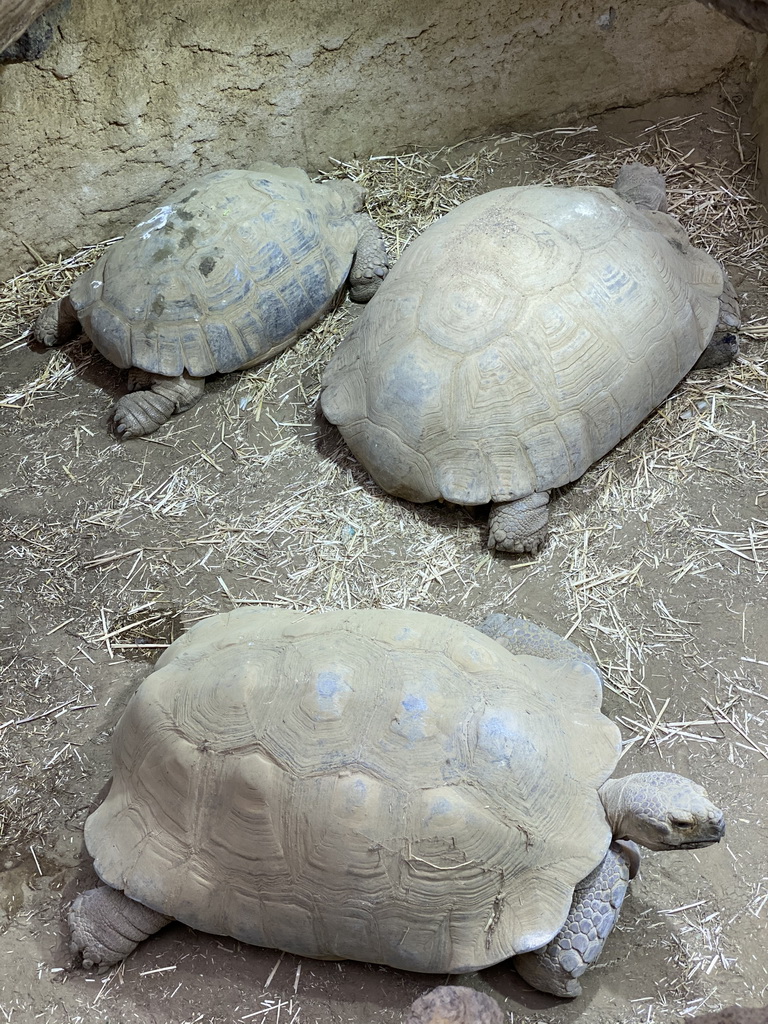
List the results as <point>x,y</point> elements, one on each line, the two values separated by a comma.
<point>227,273</point>
<point>386,786</point>
<point>517,341</point>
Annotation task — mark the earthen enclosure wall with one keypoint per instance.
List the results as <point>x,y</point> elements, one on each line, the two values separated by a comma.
<point>132,100</point>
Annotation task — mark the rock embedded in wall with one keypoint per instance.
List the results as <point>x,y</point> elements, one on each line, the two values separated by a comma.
<point>751,13</point>
<point>37,37</point>
<point>133,100</point>
<point>16,16</point>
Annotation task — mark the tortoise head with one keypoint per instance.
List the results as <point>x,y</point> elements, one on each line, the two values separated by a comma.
<point>662,811</point>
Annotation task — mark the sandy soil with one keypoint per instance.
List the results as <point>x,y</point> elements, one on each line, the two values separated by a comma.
<point>656,565</point>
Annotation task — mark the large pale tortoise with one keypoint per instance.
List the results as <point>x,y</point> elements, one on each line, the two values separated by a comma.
<point>381,785</point>
<point>227,273</point>
<point>520,338</point>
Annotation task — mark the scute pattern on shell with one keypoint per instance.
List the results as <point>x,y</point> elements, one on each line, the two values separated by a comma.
<point>228,272</point>
<point>454,1004</point>
<point>387,786</point>
<point>517,340</point>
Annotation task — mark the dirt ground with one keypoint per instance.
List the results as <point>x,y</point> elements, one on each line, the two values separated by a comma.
<point>656,564</point>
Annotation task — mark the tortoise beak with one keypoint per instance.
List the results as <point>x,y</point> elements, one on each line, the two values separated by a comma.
<point>717,826</point>
<point>710,831</point>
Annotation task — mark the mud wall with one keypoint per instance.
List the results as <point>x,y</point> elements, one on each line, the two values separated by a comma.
<point>131,100</point>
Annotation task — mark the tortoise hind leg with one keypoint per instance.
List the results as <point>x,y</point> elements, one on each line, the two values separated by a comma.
<point>57,324</point>
<point>142,412</point>
<point>519,526</point>
<point>724,346</point>
<point>642,185</point>
<point>594,911</point>
<point>722,350</point>
<point>454,1004</point>
<point>106,925</point>
<point>521,636</point>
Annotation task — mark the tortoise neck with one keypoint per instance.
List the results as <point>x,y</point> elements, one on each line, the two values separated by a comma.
<point>616,805</point>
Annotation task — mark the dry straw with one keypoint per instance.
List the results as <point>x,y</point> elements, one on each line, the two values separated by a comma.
<point>251,500</point>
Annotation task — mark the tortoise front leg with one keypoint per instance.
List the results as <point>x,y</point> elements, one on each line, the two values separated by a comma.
<point>57,324</point>
<point>597,901</point>
<point>142,412</point>
<point>106,925</point>
<point>370,262</point>
<point>519,526</point>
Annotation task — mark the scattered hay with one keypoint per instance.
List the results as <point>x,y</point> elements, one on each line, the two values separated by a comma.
<point>251,499</point>
<point>26,294</point>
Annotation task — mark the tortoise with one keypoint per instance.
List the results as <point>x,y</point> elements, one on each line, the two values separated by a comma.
<point>381,785</point>
<point>227,273</point>
<point>520,338</point>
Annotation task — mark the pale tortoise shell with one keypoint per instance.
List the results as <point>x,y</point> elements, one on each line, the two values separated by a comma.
<point>388,786</point>
<point>517,340</point>
<point>228,272</point>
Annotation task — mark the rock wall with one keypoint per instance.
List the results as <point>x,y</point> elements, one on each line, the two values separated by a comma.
<point>131,99</point>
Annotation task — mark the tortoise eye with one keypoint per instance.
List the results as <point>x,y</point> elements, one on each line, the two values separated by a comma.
<point>681,822</point>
